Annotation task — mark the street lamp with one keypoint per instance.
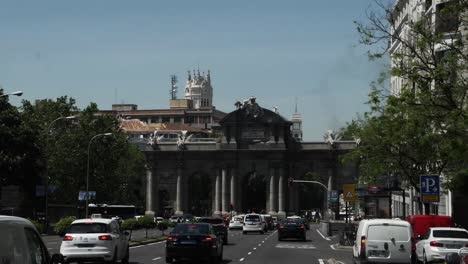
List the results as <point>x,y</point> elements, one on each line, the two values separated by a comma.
<point>46,193</point>
<point>17,93</point>
<point>87,169</point>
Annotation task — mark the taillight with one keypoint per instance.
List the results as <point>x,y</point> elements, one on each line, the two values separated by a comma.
<point>207,239</point>
<point>363,246</point>
<point>105,237</point>
<point>171,238</point>
<point>301,227</point>
<point>281,226</point>
<point>435,244</point>
<point>67,238</point>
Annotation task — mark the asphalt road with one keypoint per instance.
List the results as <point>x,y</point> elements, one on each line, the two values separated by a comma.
<point>255,248</point>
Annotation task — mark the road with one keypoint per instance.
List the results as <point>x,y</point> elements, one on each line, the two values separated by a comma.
<point>255,249</point>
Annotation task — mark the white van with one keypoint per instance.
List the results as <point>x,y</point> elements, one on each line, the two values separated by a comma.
<point>383,241</point>
<point>253,223</point>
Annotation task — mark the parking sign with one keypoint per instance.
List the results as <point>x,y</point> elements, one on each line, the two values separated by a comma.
<point>430,188</point>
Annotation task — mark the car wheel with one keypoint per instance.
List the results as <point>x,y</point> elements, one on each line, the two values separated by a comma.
<point>225,241</point>
<point>243,232</point>
<point>425,258</point>
<point>214,260</point>
<point>127,256</point>
<point>114,257</point>
<point>169,260</point>
<point>262,232</point>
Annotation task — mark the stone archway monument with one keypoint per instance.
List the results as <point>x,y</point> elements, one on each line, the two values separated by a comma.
<point>250,139</point>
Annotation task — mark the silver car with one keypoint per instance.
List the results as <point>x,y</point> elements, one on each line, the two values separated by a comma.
<point>437,242</point>
<point>96,239</point>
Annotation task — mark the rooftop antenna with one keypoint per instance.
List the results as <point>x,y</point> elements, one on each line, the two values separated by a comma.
<point>173,90</point>
<point>296,106</point>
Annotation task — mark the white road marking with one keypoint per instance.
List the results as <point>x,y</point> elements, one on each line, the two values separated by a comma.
<point>263,241</point>
<point>157,258</point>
<point>137,246</point>
<point>249,253</point>
<point>259,245</point>
<point>320,261</point>
<point>295,246</point>
<point>242,259</point>
<point>326,238</point>
<point>254,248</point>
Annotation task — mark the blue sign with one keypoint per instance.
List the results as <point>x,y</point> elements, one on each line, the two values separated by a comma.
<point>430,188</point>
<point>82,195</point>
<point>333,196</point>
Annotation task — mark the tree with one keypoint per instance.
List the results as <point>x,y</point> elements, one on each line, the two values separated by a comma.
<point>422,128</point>
<point>19,155</point>
<point>115,165</point>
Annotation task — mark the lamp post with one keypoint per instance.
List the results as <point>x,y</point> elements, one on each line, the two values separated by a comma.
<point>46,191</point>
<point>17,93</point>
<point>87,170</point>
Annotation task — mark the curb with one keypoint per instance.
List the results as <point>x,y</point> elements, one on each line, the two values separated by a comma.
<point>338,246</point>
<point>146,241</point>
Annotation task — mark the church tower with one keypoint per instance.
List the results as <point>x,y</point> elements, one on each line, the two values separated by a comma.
<point>198,89</point>
<point>297,125</point>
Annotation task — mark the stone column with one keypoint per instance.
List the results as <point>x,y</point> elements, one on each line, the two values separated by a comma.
<point>217,204</point>
<point>224,190</point>
<point>281,194</point>
<point>179,197</point>
<point>149,192</point>
<point>233,189</point>
<point>272,210</point>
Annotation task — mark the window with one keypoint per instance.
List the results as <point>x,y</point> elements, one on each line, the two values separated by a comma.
<point>37,251</point>
<point>166,119</point>
<point>450,233</point>
<point>447,17</point>
<point>387,232</point>
<point>83,228</point>
<point>177,119</point>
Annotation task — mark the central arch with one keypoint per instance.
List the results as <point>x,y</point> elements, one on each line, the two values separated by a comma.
<point>200,194</point>
<point>254,194</point>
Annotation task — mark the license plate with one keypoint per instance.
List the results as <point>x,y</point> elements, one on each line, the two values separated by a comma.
<point>378,253</point>
<point>85,245</point>
<point>188,242</point>
<point>452,246</point>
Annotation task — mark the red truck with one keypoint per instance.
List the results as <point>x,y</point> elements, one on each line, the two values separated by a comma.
<point>421,223</point>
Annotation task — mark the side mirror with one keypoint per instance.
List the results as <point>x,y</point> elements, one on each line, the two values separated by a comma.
<point>57,258</point>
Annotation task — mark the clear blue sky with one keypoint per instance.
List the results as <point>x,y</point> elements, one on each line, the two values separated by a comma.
<point>112,51</point>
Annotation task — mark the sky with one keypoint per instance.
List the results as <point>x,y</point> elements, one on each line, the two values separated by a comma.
<point>114,51</point>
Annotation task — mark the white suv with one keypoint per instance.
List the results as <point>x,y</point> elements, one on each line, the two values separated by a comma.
<point>253,223</point>
<point>95,240</point>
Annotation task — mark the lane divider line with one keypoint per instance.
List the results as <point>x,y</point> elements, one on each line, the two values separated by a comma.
<point>249,253</point>
<point>320,261</point>
<point>242,259</point>
<point>254,248</point>
<point>157,258</point>
<point>326,238</point>
<point>137,246</point>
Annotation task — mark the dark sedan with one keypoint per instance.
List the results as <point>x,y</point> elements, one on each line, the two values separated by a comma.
<point>194,241</point>
<point>219,226</point>
<point>292,228</point>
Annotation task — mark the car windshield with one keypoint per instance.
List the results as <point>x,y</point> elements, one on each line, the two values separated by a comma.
<point>252,218</point>
<point>387,232</point>
<point>83,228</point>
<point>191,229</point>
<point>450,233</point>
<point>211,220</point>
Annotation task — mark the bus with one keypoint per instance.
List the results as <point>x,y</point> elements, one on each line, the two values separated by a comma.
<point>112,210</point>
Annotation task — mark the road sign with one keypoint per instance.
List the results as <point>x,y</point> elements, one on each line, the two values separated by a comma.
<point>430,188</point>
<point>349,192</point>
<point>333,196</point>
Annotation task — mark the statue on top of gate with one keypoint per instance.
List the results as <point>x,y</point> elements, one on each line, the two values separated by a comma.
<point>250,107</point>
